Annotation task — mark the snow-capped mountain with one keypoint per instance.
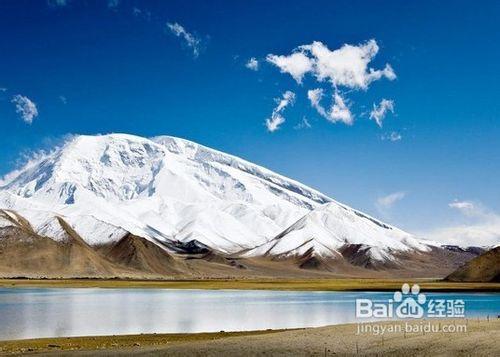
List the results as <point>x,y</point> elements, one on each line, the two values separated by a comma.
<point>326,230</point>
<point>173,191</point>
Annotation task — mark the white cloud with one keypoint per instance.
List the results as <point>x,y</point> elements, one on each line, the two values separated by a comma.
<point>191,40</point>
<point>273,123</point>
<point>347,66</point>
<point>304,124</point>
<point>25,108</point>
<point>472,209</point>
<point>315,96</point>
<point>392,136</point>
<point>483,234</point>
<point>297,64</point>
<point>3,89</point>
<point>63,99</point>
<point>388,201</point>
<point>479,227</point>
<point>379,112</point>
<point>339,110</point>
<point>463,206</point>
<point>252,64</point>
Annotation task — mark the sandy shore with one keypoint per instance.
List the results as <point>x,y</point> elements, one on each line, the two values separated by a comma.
<point>480,338</point>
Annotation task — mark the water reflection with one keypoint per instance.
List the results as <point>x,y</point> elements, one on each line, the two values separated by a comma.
<point>31,313</point>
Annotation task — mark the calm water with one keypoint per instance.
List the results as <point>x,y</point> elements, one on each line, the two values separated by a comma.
<point>31,313</point>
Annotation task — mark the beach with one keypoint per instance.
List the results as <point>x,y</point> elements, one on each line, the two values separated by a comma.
<point>478,337</point>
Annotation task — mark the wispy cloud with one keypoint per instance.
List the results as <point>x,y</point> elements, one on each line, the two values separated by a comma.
<point>190,39</point>
<point>63,99</point>
<point>142,14</point>
<point>479,227</point>
<point>379,111</point>
<point>303,124</point>
<point>315,96</point>
<point>252,64</point>
<point>26,108</point>
<point>339,110</point>
<point>388,201</point>
<point>466,207</point>
<point>392,136</point>
<point>274,122</point>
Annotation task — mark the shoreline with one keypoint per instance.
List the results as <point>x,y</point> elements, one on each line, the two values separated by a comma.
<point>326,284</point>
<point>53,344</point>
<point>482,337</point>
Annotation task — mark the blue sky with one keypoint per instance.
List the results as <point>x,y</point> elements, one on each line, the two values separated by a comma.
<point>99,67</point>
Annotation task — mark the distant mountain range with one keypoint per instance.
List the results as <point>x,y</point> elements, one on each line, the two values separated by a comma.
<point>123,205</point>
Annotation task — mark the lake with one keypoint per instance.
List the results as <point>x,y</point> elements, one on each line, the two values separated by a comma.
<point>34,313</point>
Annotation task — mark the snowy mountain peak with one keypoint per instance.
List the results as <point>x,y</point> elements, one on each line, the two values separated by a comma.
<point>113,166</point>
<point>163,188</point>
<point>175,191</point>
<point>200,153</point>
<point>123,167</point>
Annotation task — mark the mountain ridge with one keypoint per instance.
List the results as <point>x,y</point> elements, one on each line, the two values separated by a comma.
<point>187,198</point>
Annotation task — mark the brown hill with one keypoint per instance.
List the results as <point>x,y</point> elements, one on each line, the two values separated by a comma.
<point>140,254</point>
<point>25,253</point>
<point>484,268</point>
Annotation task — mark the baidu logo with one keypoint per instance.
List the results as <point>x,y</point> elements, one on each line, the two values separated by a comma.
<point>409,303</point>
